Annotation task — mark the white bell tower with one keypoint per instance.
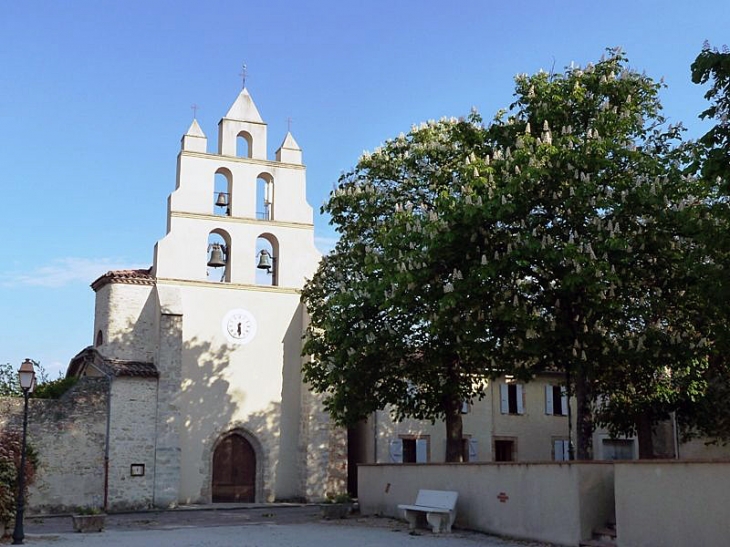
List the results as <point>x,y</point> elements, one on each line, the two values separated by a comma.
<point>238,248</point>
<point>240,201</point>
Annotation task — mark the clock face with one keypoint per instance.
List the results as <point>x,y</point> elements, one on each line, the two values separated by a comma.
<point>239,326</point>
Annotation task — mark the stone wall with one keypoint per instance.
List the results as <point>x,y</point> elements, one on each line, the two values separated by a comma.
<point>132,430</point>
<point>167,442</point>
<point>125,314</point>
<point>69,435</point>
<point>323,450</point>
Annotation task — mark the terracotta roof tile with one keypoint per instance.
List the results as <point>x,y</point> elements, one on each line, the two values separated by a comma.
<point>110,367</point>
<point>132,277</point>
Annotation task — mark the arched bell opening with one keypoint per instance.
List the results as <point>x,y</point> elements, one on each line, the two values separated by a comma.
<point>234,470</point>
<point>265,197</point>
<point>244,145</point>
<point>267,260</point>
<point>218,256</point>
<point>222,192</point>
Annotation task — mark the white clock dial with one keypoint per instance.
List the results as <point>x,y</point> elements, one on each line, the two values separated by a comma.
<point>239,326</point>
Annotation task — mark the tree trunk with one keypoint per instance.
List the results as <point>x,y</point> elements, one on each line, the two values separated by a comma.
<point>583,416</point>
<point>645,433</point>
<point>454,432</point>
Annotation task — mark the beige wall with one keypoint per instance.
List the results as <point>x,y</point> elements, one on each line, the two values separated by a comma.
<point>554,502</point>
<point>533,431</point>
<point>672,504</point>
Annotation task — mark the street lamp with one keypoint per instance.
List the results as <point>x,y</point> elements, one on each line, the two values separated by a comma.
<point>26,376</point>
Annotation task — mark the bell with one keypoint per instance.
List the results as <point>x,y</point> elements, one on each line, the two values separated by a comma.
<point>222,200</point>
<point>264,260</point>
<point>217,259</point>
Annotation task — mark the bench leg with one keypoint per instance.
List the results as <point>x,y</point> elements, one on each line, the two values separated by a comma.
<point>412,518</point>
<point>439,522</point>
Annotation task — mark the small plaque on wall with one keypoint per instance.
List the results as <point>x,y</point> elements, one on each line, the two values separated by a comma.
<point>137,470</point>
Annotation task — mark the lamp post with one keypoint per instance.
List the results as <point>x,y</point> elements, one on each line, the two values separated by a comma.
<point>26,375</point>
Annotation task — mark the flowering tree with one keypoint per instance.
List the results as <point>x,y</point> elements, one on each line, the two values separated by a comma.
<point>388,326</point>
<point>560,238</point>
<point>599,243</point>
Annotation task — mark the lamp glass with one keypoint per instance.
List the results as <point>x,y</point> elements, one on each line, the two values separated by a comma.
<point>26,374</point>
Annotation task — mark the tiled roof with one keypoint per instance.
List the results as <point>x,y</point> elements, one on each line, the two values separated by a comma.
<point>110,367</point>
<point>140,369</point>
<point>132,277</point>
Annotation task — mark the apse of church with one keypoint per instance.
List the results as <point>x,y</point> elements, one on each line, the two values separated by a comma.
<point>217,324</point>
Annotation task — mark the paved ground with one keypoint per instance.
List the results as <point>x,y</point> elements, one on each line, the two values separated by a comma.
<point>248,526</point>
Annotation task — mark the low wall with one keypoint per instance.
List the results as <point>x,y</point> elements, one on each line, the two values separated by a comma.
<point>554,502</point>
<point>69,436</point>
<point>673,504</point>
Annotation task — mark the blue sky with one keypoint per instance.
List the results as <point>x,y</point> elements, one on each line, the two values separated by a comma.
<point>95,96</point>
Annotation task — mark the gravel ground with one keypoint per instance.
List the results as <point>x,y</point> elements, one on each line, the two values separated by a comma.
<point>281,526</point>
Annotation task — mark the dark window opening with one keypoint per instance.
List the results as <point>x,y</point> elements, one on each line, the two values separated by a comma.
<point>504,450</point>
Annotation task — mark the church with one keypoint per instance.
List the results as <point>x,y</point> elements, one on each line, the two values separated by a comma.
<point>192,390</point>
<point>203,349</point>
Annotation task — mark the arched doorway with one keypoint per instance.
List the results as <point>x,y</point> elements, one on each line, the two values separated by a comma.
<point>234,470</point>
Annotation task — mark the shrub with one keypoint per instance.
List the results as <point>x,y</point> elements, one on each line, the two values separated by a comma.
<point>53,389</point>
<point>10,455</point>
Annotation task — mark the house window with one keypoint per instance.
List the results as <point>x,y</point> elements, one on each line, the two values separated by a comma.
<point>469,450</point>
<point>561,450</point>
<point>618,449</point>
<point>505,450</point>
<point>511,399</point>
<point>410,449</point>
<point>556,401</point>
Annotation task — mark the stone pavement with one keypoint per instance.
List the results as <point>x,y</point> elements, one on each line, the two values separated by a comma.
<point>279,525</point>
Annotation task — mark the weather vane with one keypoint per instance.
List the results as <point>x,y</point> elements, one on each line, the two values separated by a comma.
<point>288,124</point>
<point>194,108</point>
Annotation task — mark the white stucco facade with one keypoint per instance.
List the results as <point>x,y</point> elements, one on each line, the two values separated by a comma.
<point>224,341</point>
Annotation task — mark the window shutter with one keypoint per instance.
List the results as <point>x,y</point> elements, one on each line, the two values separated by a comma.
<point>396,451</point>
<point>473,450</point>
<point>520,403</point>
<point>562,451</point>
<point>421,450</point>
<point>504,398</point>
<point>548,399</point>
<point>564,401</point>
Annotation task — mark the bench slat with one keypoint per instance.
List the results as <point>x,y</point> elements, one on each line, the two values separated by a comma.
<point>425,509</point>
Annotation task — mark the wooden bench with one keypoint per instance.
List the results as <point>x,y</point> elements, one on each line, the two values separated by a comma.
<point>439,507</point>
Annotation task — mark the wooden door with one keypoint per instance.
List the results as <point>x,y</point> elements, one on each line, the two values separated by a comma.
<point>234,471</point>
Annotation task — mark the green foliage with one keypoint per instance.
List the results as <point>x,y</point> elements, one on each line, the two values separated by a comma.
<point>566,236</point>
<point>383,330</point>
<point>9,384</point>
<point>10,455</point>
<point>597,238</point>
<point>708,413</point>
<point>713,66</point>
<point>340,497</point>
<point>53,389</point>
<point>45,388</point>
